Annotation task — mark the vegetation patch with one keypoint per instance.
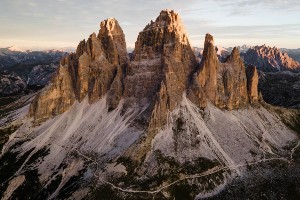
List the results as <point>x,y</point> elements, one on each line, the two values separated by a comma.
<point>5,132</point>
<point>290,117</point>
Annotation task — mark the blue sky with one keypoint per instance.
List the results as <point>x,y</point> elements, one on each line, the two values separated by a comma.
<point>62,23</point>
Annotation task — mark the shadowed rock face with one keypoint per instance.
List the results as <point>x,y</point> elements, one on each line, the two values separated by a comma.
<point>162,69</point>
<point>252,83</point>
<point>223,84</point>
<point>232,78</point>
<point>97,64</point>
<point>56,98</point>
<point>208,69</point>
<point>163,61</point>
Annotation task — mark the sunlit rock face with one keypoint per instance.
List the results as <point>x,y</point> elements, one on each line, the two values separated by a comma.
<point>223,84</point>
<point>270,59</point>
<point>252,83</point>
<point>94,70</point>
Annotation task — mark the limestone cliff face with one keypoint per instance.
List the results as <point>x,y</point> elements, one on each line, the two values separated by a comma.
<point>90,72</point>
<point>162,69</point>
<point>163,60</point>
<point>159,73</point>
<point>208,69</point>
<point>56,98</point>
<point>232,83</point>
<point>252,83</point>
<point>223,84</point>
<point>113,41</point>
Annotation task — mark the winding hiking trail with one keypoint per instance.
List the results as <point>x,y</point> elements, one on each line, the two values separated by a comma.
<point>203,174</point>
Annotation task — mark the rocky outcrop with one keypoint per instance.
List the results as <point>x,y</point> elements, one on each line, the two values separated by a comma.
<point>56,98</point>
<point>232,78</point>
<point>223,84</point>
<point>162,69</point>
<point>207,76</point>
<point>252,83</point>
<point>89,73</point>
<point>159,73</point>
<point>113,41</point>
<point>163,60</point>
<point>270,59</point>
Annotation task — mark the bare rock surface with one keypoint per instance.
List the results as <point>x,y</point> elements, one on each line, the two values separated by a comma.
<point>270,59</point>
<point>252,85</point>
<point>88,72</point>
<point>224,84</point>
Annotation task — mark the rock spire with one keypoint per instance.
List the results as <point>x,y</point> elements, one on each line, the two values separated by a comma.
<point>162,70</point>
<point>94,70</point>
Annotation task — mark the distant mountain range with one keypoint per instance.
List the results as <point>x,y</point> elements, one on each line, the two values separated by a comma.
<point>293,53</point>
<point>33,68</point>
<point>270,59</point>
<point>13,55</point>
<point>265,58</point>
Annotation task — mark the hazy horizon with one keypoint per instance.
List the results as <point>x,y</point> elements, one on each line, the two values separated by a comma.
<point>60,23</point>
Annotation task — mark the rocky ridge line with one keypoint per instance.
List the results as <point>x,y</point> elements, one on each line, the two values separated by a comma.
<point>270,59</point>
<point>163,67</point>
<point>96,67</point>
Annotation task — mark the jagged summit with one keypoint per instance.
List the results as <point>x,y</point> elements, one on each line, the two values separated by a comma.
<point>110,24</point>
<point>208,66</point>
<point>166,30</point>
<point>159,72</point>
<point>167,18</point>
<point>235,53</point>
<point>15,48</point>
<point>94,70</point>
<point>223,84</point>
<point>209,51</point>
<point>270,59</point>
<point>209,39</point>
<point>158,76</point>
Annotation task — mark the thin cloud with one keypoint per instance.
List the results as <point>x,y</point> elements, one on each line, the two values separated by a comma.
<point>31,4</point>
<point>62,20</point>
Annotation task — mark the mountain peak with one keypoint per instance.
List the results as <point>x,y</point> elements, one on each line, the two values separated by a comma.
<point>110,25</point>
<point>93,71</point>
<point>235,52</point>
<point>209,52</point>
<point>209,39</point>
<point>235,55</point>
<point>15,48</point>
<point>270,59</point>
<point>170,21</point>
<point>168,16</point>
